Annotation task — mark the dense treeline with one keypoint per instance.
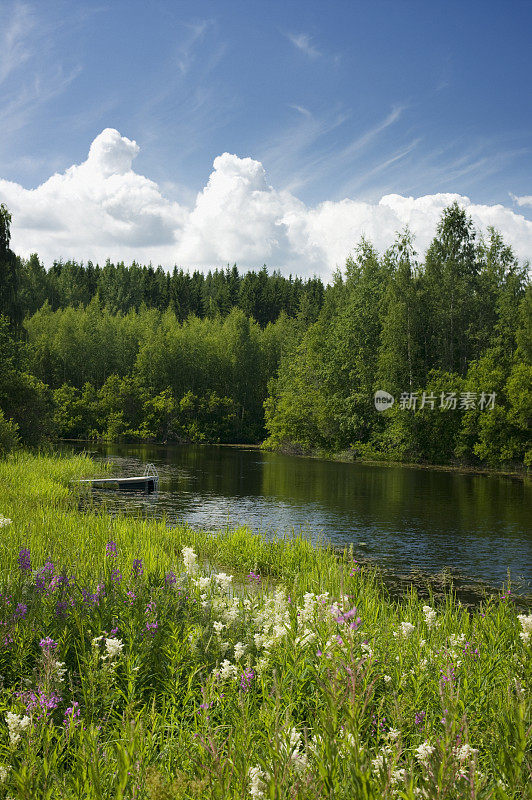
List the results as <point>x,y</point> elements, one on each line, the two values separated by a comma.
<point>122,289</point>
<point>449,339</point>
<point>138,353</point>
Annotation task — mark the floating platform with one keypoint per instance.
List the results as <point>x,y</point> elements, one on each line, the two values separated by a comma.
<point>149,482</point>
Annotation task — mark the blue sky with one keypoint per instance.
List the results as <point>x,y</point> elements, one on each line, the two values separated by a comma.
<point>341,100</point>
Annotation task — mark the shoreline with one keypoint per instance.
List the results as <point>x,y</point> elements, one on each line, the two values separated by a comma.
<point>343,457</point>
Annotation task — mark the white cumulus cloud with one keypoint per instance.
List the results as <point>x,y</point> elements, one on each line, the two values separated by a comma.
<point>102,209</point>
<point>524,200</point>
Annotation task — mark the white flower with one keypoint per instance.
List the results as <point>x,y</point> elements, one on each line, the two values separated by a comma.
<point>526,625</point>
<point>292,749</point>
<point>430,617</point>
<point>232,612</point>
<point>60,670</point>
<point>240,649</point>
<point>202,582</point>
<point>226,670</point>
<point>257,787</point>
<point>189,559</point>
<point>424,752</point>
<point>113,648</point>
<point>456,641</point>
<point>16,725</point>
<point>96,641</point>
<point>398,775</point>
<point>393,734</point>
<point>223,580</point>
<point>280,630</point>
<point>366,649</point>
<point>306,613</point>
<point>465,752</point>
<point>4,771</point>
<point>4,521</point>
<point>218,627</point>
<point>381,758</point>
<point>387,678</point>
<point>406,629</point>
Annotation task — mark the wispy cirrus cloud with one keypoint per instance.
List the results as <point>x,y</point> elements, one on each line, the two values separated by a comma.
<point>318,146</point>
<point>187,49</point>
<point>15,37</point>
<point>32,69</point>
<point>303,42</point>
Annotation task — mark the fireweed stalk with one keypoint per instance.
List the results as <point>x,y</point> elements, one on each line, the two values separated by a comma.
<point>129,670</point>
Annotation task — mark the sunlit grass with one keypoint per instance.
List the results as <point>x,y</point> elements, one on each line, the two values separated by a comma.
<point>295,678</point>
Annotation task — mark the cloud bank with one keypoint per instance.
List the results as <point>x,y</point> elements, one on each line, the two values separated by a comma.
<point>103,209</point>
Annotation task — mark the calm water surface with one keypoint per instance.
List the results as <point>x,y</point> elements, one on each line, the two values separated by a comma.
<point>401,517</point>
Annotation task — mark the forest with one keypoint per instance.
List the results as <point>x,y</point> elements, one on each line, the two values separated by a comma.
<point>134,353</point>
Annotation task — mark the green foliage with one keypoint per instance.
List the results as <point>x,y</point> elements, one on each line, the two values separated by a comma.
<point>135,353</point>
<point>447,325</point>
<point>9,272</point>
<point>137,670</point>
<point>9,438</point>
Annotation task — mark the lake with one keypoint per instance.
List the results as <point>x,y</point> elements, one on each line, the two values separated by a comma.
<point>400,517</point>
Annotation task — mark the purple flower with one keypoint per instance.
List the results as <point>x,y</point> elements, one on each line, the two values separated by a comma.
<point>116,576</point>
<point>151,607</point>
<point>110,549</point>
<point>24,559</point>
<point>152,626</point>
<point>20,611</point>
<point>170,578</point>
<point>132,596</point>
<point>40,702</point>
<point>48,644</point>
<point>47,572</point>
<point>71,714</point>
<point>420,717</point>
<point>137,569</point>
<point>94,598</point>
<point>342,618</point>
<point>61,607</point>
<point>245,679</point>
<point>253,576</point>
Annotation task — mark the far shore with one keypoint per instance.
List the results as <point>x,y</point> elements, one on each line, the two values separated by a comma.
<point>345,457</point>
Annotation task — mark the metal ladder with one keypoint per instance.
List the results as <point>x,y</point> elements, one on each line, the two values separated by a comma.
<point>151,472</point>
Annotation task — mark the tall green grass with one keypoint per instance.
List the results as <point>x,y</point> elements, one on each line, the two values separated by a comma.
<point>298,678</point>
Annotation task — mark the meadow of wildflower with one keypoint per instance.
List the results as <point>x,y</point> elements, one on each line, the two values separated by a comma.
<point>142,661</point>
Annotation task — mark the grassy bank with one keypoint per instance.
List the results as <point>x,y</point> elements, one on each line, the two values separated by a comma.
<point>131,670</point>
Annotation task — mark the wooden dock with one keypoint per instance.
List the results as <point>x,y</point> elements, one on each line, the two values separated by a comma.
<point>149,482</point>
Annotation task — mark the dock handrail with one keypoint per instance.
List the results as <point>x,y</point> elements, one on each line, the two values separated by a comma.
<point>151,472</point>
